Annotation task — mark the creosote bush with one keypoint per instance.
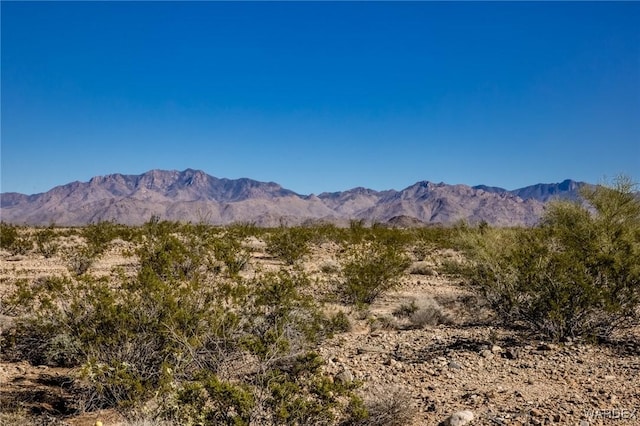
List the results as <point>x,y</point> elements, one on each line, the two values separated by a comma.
<point>289,244</point>
<point>576,274</point>
<point>229,250</point>
<point>46,241</point>
<point>388,407</point>
<point>370,269</point>
<point>14,239</point>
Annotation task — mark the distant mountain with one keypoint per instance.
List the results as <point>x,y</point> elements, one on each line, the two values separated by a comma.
<point>192,195</point>
<point>543,192</point>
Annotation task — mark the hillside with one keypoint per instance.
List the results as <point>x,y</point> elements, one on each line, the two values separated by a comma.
<point>193,195</point>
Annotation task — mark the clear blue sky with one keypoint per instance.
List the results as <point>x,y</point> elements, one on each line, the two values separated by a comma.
<point>321,96</point>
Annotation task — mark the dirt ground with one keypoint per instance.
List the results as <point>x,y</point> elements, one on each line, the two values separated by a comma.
<point>469,362</point>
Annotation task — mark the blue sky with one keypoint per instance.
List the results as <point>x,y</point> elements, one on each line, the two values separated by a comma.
<point>321,96</point>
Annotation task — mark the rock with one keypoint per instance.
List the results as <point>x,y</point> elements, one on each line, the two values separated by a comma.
<point>535,412</point>
<point>459,419</point>
<point>345,376</point>
<point>496,349</point>
<point>512,353</point>
<point>454,365</point>
<point>369,349</point>
<point>547,347</point>
<point>486,354</point>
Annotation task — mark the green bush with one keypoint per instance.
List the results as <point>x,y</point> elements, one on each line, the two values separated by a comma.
<point>576,274</point>
<point>99,235</point>
<point>45,241</point>
<point>289,244</point>
<point>229,250</point>
<point>370,269</point>
<point>14,240</point>
<point>79,261</point>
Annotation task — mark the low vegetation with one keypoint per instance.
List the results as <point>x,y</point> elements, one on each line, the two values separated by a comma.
<point>577,274</point>
<point>370,269</point>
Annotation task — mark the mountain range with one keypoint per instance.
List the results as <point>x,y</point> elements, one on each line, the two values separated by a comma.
<point>193,195</point>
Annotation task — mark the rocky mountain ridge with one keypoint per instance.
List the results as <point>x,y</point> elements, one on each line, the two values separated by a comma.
<point>193,195</point>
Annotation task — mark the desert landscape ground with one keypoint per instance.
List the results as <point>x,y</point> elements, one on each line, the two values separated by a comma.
<point>424,347</point>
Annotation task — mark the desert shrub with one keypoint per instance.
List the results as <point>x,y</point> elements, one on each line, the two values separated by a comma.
<point>422,268</point>
<point>325,232</point>
<point>14,240</point>
<point>205,349</point>
<point>289,244</point>
<point>422,249</point>
<point>405,310</point>
<point>171,257</point>
<point>136,336</point>
<point>80,260</point>
<point>330,267</point>
<point>428,312</point>
<point>369,269</point>
<point>576,274</point>
<point>340,323</point>
<point>99,235</point>
<point>243,230</point>
<point>357,231</point>
<point>282,329</point>
<point>383,322</point>
<point>210,400</point>
<point>279,317</point>
<point>8,235</point>
<point>434,237</point>
<point>384,408</point>
<point>398,238</point>
<point>46,241</point>
<point>454,268</point>
<point>229,250</point>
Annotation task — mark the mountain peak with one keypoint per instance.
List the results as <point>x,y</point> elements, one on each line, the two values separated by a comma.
<point>191,195</point>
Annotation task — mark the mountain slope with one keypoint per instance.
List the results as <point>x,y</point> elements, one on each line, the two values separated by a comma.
<point>192,195</point>
<point>543,192</point>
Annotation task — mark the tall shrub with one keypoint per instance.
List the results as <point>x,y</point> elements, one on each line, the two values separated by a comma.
<point>576,274</point>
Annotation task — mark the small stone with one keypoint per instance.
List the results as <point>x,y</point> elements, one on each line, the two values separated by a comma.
<point>535,412</point>
<point>547,347</point>
<point>487,354</point>
<point>496,349</point>
<point>512,353</point>
<point>454,365</point>
<point>345,376</point>
<point>369,349</point>
<point>609,377</point>
<point>460,418</point>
